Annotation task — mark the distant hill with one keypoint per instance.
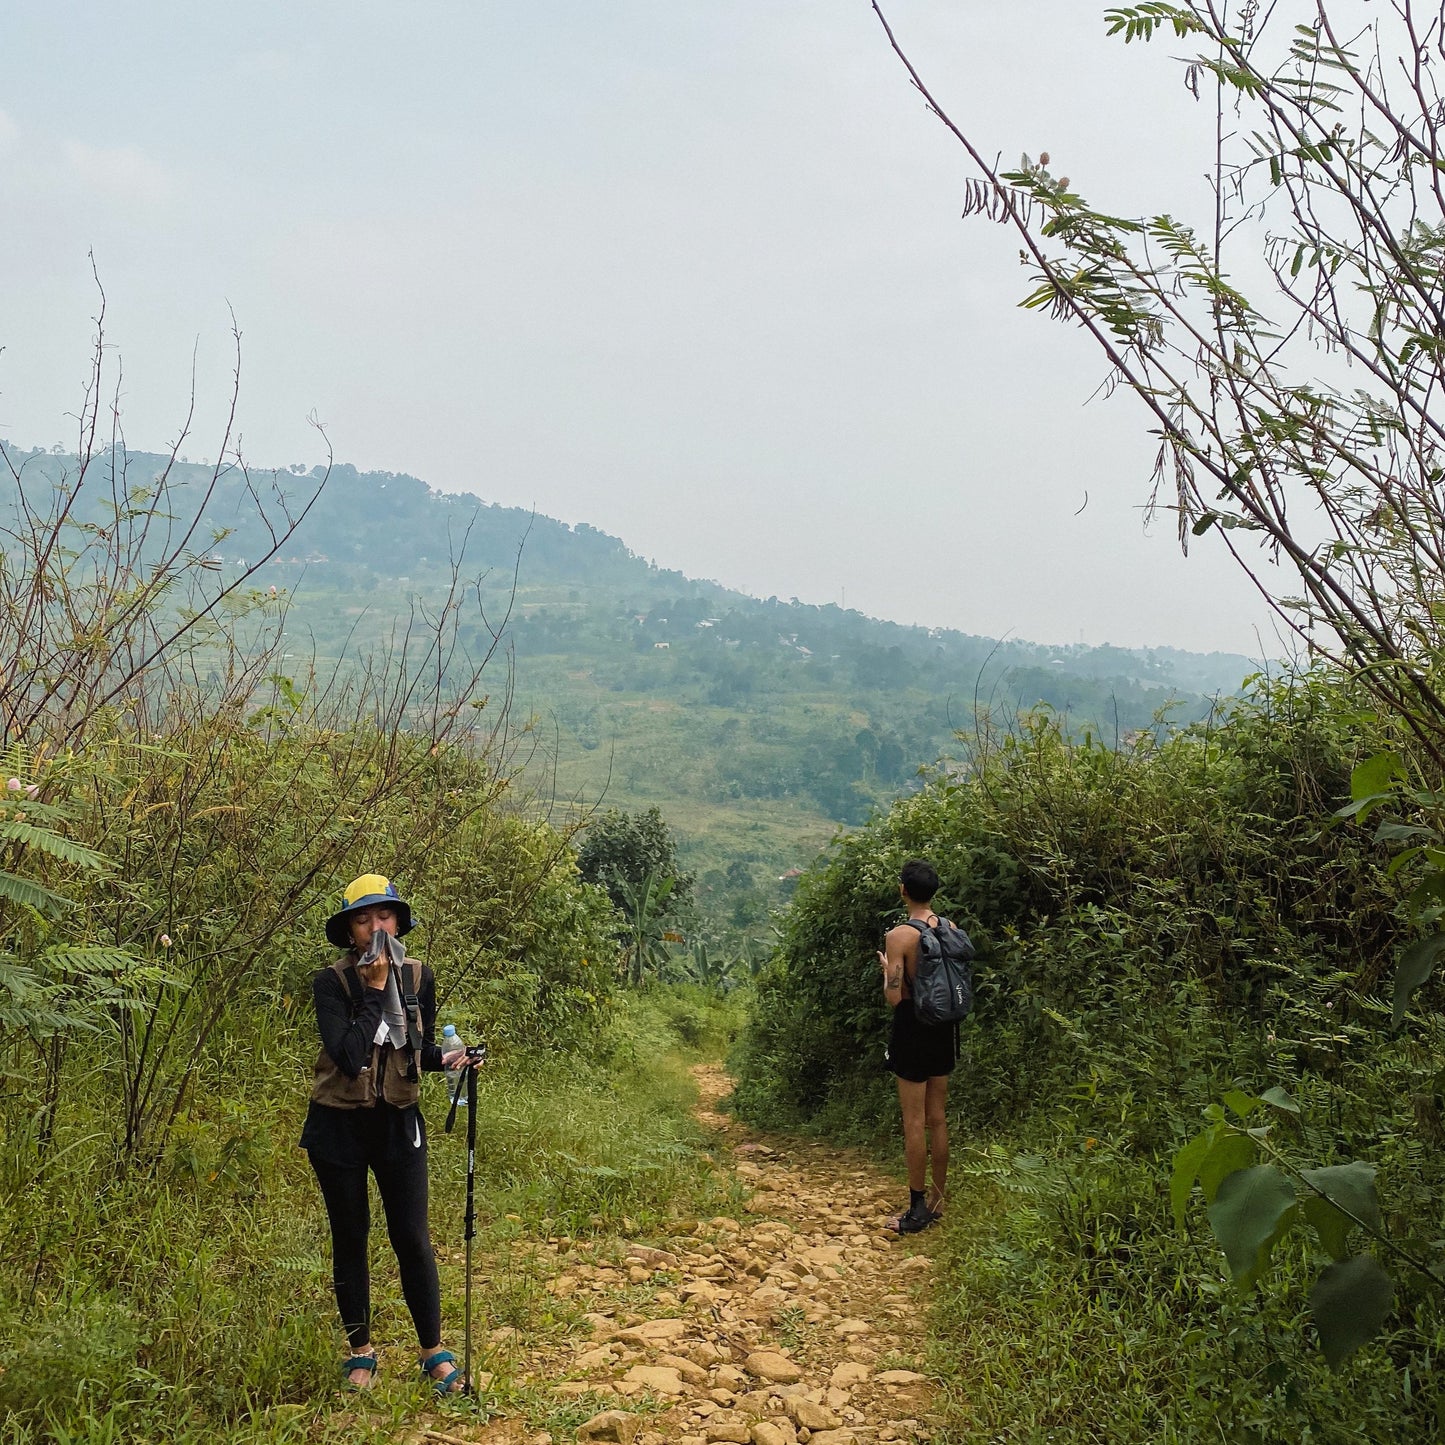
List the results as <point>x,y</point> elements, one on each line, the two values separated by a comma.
<point>756,725</point>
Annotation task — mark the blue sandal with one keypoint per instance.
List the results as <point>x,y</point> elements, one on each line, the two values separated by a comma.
<point>359,1362</point>
<point>442,1384</point>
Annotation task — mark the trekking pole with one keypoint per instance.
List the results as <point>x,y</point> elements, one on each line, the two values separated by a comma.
<point>469,1225</point>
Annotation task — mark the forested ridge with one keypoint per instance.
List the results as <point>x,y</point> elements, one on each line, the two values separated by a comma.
<point>757,725</point>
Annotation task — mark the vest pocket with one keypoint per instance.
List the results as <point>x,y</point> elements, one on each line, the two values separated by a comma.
<point>331,1087</point>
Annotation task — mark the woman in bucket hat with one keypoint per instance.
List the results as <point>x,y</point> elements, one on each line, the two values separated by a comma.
<point>376,1014</point>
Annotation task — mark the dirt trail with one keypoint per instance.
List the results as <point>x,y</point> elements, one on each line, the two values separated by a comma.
<point>797,1322</point>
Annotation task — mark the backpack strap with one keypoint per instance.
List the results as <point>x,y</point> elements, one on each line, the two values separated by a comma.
<point>342,968</point>
<point>923,927</point>
<point>934,927</point>
<point>410,1001</point>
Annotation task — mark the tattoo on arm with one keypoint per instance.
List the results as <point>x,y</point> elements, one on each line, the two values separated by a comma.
<point>893,980</point>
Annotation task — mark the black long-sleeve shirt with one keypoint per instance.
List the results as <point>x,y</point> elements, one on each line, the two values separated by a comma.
<point>347,1028</point>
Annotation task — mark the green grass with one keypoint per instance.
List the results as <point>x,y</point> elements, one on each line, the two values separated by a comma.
<point>1067,1308</point>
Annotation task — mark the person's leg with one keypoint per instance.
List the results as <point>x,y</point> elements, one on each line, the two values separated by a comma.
<point>349,1212</point>
<point>935,1121</point>
<point>915,1147</point>
<point>403,1187</point>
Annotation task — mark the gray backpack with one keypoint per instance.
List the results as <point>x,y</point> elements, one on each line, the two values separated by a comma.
<point>943,982</point>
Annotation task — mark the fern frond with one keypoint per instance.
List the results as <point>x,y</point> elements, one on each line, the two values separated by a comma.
<point>31,895</point>
<point>28,1002</point>
<point>300,1263</point>
<point>85,959</point>
<point>52,844</point>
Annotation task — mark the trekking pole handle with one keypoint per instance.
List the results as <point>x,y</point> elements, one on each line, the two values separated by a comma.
<point>466,1079</point>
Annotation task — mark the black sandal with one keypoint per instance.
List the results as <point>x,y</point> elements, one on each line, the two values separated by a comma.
<point>914,1220</point>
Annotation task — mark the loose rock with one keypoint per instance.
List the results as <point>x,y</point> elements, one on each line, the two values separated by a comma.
<point>693,1374</point>
<point>615,1425</point>
<point>655,1258</point>
<point>739,1432</point>
<point>810,1415</point>
<point>657,1378</point>
<point>770,1365</point>
<point>653,1332</point>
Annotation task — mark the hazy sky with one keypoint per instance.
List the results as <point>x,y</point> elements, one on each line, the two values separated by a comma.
<point>691,272</point>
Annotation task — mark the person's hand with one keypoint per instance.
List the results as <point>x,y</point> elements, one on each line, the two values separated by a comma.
<point>891,980</point>
<point>373,975</point>
<point>457,1059</point>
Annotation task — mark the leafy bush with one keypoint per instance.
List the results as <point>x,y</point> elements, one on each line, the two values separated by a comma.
<point>1095,881</point>
<point>1160,925</point>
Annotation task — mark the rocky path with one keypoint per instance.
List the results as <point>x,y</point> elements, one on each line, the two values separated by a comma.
<point>797,1322</point>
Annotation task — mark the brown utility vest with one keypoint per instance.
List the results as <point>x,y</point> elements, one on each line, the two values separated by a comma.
<point>386,1076</point>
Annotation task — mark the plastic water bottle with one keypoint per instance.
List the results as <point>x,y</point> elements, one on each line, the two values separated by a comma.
<point>450,1042</point>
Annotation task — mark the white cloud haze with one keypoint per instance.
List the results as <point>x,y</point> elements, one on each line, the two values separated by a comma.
<point>124,172</point>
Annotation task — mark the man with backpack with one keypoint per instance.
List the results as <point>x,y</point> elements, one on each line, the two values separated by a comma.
<point>927,983</point>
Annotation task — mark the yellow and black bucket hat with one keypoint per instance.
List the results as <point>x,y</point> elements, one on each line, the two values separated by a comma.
<point>365,892</point>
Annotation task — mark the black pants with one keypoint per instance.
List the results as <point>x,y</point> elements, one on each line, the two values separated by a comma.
<point>401,1181</point>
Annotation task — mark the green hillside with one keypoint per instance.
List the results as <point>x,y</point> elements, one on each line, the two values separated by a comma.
<point>756,725</point>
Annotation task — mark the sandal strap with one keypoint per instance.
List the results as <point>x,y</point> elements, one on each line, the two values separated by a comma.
<point>442,1357</point>
<point>359,1362</point>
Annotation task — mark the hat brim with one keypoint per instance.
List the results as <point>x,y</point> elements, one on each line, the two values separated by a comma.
<point>338,929</point>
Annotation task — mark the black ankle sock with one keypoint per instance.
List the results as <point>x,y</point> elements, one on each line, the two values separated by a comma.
<point>915,1198</point>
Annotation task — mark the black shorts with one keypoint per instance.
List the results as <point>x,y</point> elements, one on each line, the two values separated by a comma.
<point>918,1052</point>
